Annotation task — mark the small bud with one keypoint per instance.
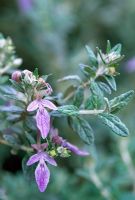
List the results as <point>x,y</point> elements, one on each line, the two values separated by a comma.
<point>64,152</point>
<point>27,72</point>
<point>112,70</point>
<point>16,76</point>
<point>29,78</point>
<point>53,153</point>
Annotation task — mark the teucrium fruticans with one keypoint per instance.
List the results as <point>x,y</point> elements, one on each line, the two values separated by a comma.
<point>32,108</point>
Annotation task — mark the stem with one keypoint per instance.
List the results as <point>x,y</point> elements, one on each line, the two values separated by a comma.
<point>125,155</point>
<point>38,137</point>
<point>21,147</point>
<point>103,190</point>
<point>90,112</point>
<point>71,94</point>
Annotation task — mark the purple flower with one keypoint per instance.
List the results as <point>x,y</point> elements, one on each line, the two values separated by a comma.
<point>42,116</point>
<point>42,173</point>
<point>60,141</point>
<point>25,5</point>
<point>130,65</point>
<point>74,149</point>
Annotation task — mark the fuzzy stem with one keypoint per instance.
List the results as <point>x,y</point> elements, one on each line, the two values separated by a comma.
<point>125,155</point>
<point>21,147</point>
<point>97,182</point>
<point>38,137</point>
<point>90,112</point>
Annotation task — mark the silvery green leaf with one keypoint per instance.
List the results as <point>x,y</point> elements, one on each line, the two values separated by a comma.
<point>30,138</point>
<point>114,123</point>
<point>117,48</point>
<point>11,139</point>
<point>93,59</point>
<point>78,96</point>
<point>87,70</point>
<point>121,101</point>
<point>11,108</point>
<point>104,87</point>
<point>68,110</point>
<point>28,171</point>
<point>108,48</point>
<point>111,81</point>
<point>82,128</point>
<point>96,91</point>
<point>17,86</point>
<point>93,102</point>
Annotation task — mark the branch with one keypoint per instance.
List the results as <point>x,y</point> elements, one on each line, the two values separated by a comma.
<point>21,147</point>
<point>90,112</point>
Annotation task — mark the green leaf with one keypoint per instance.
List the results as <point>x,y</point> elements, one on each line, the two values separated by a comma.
<point>3,79</point>
<point>101,55</point>
<point>15,97</point>
<point>96,91</point>
<point>6,89</point>
<point>111,81</point>
<point>28,171</point>
<point>93,59</point>
<point>17,86</point>
<point>11,109</point>
<point>35,73</point>
<point>108,48</point>
<point>114,123</point>
<point>11,139</point>
<point>93,102</point>
<point>78,96</point>
<point>104,87</point>
<point>82,128</point>
<point>121,101</point>
<point>87,70</point>
<point>68,110</point>
<point>117,48</point>
<point>30,138</point>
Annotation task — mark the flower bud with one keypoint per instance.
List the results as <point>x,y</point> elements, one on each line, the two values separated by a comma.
<point>16,76</point>
<point>112,70</point>
<point>53,153</point>
<point>29,78</point>
<point>41,81</point>
<point>27,72</point>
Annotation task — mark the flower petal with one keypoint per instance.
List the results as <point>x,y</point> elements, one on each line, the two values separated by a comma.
<point>43,122</point>
<point>49,159</point>
<point>32,106</point>
<point>48,104</point>
<point>33,159</point>
<point>42,175</point>
<point>75,149</point>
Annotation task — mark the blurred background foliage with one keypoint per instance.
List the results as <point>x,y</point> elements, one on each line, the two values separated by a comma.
<point>51,35</point>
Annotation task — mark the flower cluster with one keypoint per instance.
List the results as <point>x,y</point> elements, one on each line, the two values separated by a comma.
<point>54,145</point>
<point>36,109</point>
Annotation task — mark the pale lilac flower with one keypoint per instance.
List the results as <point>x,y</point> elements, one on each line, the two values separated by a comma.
<point>25,5</point>
<point>60,141</point>
<point>130,65</point>
<point>42,173</point>
<point>74,149</point>
<point>42,116</point>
